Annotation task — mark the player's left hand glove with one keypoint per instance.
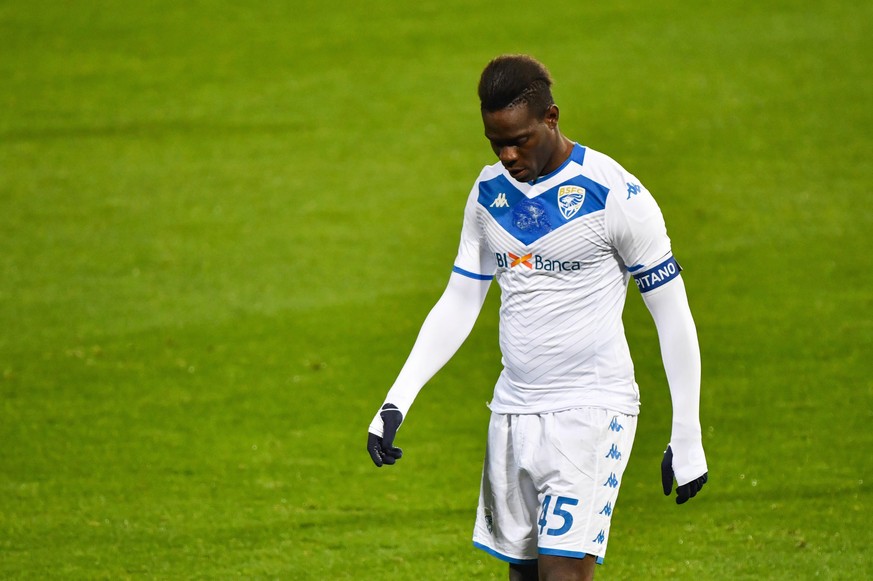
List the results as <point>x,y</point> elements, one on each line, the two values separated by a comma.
<point>381,448</point>
<point>685,491</point>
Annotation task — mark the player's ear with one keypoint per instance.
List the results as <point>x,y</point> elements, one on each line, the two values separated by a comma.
<point>552,115</point>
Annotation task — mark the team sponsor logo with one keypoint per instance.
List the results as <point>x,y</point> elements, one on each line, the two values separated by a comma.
<point>570,200</point>
<point>516,260</point>
<point>535,262</point>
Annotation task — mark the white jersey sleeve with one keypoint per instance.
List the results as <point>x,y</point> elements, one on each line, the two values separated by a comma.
<point>444,330</point>
<point>451,319</point>
<point>475,260</point>
<point>635,226</point>
<point>636,229</point>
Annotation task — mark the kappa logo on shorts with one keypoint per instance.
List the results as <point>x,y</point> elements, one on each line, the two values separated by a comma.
<point>607,509</point>
<point>570,200</point>
<point>613,453</point>
<point>615,426</point>
<point>600,538</point>
<point>612,481</point>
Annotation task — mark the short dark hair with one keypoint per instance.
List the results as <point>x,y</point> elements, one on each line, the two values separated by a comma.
<point>514,79</point>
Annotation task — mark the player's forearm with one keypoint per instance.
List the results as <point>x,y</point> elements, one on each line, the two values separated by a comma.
<point>443,332</point>
<point>680,353</point>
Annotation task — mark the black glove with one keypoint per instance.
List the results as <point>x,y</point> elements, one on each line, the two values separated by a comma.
<point>382,450</point>
<point>684,492</point>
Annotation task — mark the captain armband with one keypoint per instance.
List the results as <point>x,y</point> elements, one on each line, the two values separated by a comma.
<point>657,275</point>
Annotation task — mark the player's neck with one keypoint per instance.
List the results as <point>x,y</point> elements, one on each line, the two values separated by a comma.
<point>563,149</point>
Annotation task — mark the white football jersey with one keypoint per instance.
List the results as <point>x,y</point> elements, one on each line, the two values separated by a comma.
<point>562,250</point>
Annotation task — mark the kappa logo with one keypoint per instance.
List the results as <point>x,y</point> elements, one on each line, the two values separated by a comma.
<point>500,201</point>
<point>570,200</point>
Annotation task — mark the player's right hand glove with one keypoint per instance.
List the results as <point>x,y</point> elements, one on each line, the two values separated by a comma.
<point>685,491</point>
<point>381,448</point>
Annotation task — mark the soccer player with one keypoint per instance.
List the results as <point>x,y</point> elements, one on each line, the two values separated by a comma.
<point>562,228</point>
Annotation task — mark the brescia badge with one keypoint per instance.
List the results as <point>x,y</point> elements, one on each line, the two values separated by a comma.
<point>570,200</point>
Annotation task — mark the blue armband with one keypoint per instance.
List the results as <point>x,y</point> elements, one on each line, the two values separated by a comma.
<point>657,276</point>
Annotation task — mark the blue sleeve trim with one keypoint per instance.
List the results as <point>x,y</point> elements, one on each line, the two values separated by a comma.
<point>472,275</point>
<point>571,554</point>
<point>634,268</point>
<point>503,557</point>
<point>658,276</point>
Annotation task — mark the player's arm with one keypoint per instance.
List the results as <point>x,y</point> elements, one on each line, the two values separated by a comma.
<point>636,228</point>
<point>680,352</point>
<point>444,330</point>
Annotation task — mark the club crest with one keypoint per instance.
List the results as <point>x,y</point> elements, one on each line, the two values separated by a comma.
<point>570,200</point>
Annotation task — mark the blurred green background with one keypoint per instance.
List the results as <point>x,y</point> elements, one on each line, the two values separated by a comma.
<point>223,224</point>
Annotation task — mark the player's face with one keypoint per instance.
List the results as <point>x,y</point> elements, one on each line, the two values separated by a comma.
<point>525,143</point>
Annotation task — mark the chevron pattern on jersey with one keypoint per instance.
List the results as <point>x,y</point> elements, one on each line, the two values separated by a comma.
<point>550,332</point>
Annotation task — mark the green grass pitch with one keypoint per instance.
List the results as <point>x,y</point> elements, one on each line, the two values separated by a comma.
<point>223,223</point>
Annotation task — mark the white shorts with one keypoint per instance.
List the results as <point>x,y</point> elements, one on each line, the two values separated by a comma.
<point>550,483</point>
